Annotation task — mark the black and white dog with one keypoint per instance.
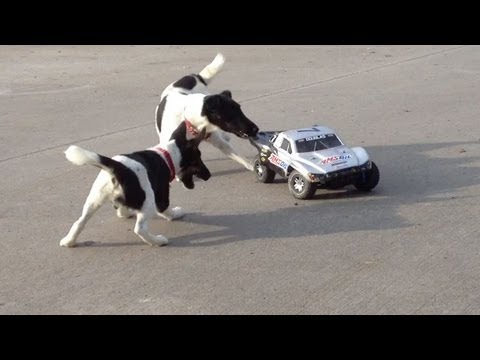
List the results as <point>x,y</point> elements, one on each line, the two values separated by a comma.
<point>139,182</point>
<point>189,100</point>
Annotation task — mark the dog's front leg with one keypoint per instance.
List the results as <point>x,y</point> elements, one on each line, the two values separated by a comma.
<point>162,206</point>
<point>141,229</point>
<point>217,140</point>
<point>172,213</point>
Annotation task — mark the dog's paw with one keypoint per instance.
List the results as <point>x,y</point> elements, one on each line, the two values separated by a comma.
<point>124,213</point>
<point>159,240</point>
<point>67,242</point>
<point>177,213</point>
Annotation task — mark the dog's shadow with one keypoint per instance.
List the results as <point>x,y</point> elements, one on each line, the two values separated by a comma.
<point>304,219</point>
<point>311,218</point>
<point>427,179</point>
<point>91,243</point>
<point>229,172</point>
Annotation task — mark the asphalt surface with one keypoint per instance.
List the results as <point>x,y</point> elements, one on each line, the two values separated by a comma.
<point>411,246</point>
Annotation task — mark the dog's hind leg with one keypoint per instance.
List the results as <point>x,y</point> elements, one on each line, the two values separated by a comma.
<point>217,140</point>
<point>94,200</point>
<point>141,229</point>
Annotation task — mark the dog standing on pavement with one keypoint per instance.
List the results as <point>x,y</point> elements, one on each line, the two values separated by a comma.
<point>139,182</point>
<point>188,99</point>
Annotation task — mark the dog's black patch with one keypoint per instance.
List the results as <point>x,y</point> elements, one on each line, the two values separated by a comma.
<point>201,79</point>
<point>159,115</point>
<point>187,82</point>
<point>158,175</point>
<point>224,112</point>
<point>134,196</point>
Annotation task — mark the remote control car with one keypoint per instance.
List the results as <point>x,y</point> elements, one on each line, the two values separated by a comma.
<point>312,158</point>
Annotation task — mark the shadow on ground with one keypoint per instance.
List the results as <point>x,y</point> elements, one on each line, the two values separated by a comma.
<point>409,174</point>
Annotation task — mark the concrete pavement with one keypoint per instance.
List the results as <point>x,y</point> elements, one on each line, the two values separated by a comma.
<point>409,247</point>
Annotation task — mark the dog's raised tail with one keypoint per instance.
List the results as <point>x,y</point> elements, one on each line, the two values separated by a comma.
<point>79,156</point>
<point>213,68</point>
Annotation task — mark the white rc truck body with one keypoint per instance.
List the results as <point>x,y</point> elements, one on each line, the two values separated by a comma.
<point>312,158</point>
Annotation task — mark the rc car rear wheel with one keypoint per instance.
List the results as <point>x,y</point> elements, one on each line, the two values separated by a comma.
<point>372,177</point>
<point>300,187</point>
<point>263,174</point>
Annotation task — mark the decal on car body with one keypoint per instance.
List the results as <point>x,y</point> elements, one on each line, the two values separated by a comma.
<point>335,158</point>
<point>275,160</point>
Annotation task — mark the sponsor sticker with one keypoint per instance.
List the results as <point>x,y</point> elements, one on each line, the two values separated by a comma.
<point>330,159</point>
<point>275,160</point>
<point>310,138</point>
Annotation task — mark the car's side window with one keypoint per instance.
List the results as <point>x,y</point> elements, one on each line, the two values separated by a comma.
<point>286,146</point>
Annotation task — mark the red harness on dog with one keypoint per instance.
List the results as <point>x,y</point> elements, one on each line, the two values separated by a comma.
<point>168,160</point>
<point>192,130</point>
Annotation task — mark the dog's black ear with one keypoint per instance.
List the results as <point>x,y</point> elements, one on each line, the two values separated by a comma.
<point>212,101</point>
<point>180,134</point>
<point>226,93</point>
<point>211,104</point>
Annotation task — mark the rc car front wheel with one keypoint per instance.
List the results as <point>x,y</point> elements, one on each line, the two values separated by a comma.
<point>371,179</point>
<point>300,187</point>
<point>263,174</point>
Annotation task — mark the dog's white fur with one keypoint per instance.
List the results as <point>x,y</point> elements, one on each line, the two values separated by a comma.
<point>187,104</point>
<point>104,189</point>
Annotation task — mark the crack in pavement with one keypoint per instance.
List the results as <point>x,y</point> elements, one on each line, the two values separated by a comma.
<point>9,93</point>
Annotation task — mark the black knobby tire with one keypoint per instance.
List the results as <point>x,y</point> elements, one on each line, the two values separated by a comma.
<point>300,187</point>
<point>372,177</point>
<point>263,174</point>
